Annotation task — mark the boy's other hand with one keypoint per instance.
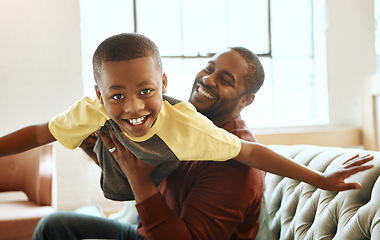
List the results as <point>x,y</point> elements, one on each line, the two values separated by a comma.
<point>334,180</point>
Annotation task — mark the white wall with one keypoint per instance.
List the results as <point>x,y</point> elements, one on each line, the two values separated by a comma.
<point>351,64</point>
<point>40,75</point>
<point>351,57</point>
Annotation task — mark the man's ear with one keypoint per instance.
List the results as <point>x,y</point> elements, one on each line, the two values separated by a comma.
<point>99,94</point>
<point>247,99</point>
<point>164,83</point>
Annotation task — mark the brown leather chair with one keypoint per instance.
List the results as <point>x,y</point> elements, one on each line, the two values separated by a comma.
<point>32,172</point>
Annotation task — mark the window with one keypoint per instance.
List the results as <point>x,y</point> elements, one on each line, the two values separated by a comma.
<point>288,36</point>
<point>197,27</point>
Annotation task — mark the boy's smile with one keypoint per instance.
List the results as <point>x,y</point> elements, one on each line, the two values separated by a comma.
<point>131,92</point>
<point>137,121</point>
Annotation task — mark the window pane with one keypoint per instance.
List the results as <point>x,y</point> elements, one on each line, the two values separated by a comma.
<point>185,27</point>
<point>99,20</point>
<point>247,25</point>
<point>294,90</point>
<point>292,24</point>
<point>204,30</point>
<point>161,21</point>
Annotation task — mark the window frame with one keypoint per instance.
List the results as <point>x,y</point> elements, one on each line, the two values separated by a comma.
<point>269,99</point>
<point>209,54</point>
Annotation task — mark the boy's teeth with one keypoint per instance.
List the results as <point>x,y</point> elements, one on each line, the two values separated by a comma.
<point>136,121</point>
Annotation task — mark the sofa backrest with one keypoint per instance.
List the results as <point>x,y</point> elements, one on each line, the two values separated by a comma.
<point>296,210</point>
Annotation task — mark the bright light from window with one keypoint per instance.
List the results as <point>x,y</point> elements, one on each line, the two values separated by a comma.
<point>99,20</point>
<point>295,88</point>
<point>189,27</point>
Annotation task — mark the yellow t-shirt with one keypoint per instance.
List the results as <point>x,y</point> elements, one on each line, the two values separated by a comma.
<point>187,133</point>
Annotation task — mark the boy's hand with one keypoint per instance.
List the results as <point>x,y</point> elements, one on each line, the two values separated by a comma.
<point>334,180</point>
<point>133,168</point>
<point>138,173</point>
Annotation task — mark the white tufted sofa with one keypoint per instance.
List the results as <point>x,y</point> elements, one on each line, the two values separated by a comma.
<point>296,210</point>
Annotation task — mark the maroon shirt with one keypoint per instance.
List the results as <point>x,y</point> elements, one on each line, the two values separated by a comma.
<point>206,200</point>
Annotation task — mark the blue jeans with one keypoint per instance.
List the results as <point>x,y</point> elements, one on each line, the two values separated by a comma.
<point>70,225</point>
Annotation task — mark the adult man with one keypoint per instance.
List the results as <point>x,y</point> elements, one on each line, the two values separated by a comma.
<point>199,200</point>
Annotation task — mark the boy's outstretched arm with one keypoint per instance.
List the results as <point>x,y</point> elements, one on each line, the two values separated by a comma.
<point>24,139</point>
<point>258,156</point>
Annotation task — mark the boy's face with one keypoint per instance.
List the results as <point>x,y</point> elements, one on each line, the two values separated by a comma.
<point>131,92</point>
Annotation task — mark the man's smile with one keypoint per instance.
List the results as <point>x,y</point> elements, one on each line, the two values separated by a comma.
<point>202,91</point>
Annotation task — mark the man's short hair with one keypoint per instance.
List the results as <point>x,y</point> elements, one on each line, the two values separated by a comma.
<point>254,79</point>
<point>125,46</point>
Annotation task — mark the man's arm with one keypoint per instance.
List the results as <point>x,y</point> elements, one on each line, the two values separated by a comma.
<point>214,207</point>
<point>219,197</point>
<point>258,156</point>
<point>25,139</point>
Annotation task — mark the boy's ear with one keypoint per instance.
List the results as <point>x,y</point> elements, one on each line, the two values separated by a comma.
<point>99,94</point>
<point>164,83</point>
<point>247,99</point>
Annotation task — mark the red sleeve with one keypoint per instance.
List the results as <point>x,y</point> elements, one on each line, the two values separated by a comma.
<point>157,218</point>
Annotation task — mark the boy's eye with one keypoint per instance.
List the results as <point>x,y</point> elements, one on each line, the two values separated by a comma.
<point>118,96</point>
<point>145,91</point>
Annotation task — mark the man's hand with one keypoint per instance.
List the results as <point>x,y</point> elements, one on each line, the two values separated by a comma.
<point>138,173</point>
<point>334,179</point>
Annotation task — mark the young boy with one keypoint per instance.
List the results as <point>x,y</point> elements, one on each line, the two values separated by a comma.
<point>156,129</point>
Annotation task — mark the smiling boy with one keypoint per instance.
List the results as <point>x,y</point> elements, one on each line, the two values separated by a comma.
<point>157,129</point>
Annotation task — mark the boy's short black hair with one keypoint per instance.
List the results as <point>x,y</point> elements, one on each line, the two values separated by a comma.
<point>254,79</point>
<point>125,46</point>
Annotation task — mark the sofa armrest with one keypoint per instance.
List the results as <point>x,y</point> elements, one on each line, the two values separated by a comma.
<point>32,172</point>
